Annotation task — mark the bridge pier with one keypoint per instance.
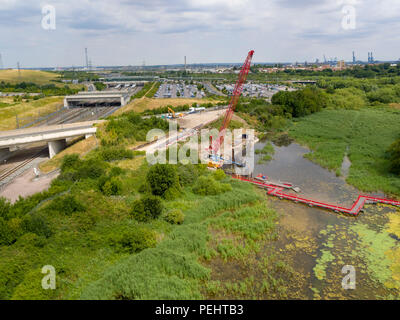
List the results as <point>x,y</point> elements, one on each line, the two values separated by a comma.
<point>56,146</point>
<point>4,154</point>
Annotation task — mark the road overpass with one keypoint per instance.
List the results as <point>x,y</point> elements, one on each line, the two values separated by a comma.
<point>98,99</point>
<point>54,135</point>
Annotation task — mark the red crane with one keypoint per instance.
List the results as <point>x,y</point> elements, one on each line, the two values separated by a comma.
<point>232,105</point>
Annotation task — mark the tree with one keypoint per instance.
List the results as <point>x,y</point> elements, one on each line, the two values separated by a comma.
<point>162,177</point>
<point>147,208</point>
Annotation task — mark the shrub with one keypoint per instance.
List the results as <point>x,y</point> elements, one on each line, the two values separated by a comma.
<point>161,177</point>
<point>4,207</point>
<point>91,169</point>
<point>187,174</point>
<point>219,175</point>
<point>70,162</point>
<point>115,153</point>
<point>6,236</point>
<point>111,187</point>
<point>394,157</point>
<point>207,186</point>
<point>116,171</point>
<point>67,205</point>
<point>147,208</point>
<point>175,216</point>
<point>37,224</point>
<point>134,240</point>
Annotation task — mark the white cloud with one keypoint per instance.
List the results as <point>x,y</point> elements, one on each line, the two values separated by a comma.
<point>162,32</point>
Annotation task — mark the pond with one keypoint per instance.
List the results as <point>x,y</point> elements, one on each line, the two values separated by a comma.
<point>318,243</point>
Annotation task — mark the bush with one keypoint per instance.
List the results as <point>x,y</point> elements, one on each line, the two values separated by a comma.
<point>302,102</point>
<point>187,174</point>
<point>116,171</point>
<point>74,169</point>
<point>394,157</point>
<point>147,208</point>
<point>6,236</point>
<point>37,224</point>
<point>70,162</point>
<point>4,207</point>
<point>134,240</point>
<point>219,175</point>
<point>175,217</point>
<point>111,186</point>
<point>161,177</point>
<point>115,153</point>
<point>92,169</point>
<point>67,205</point>
<point>207,186</point>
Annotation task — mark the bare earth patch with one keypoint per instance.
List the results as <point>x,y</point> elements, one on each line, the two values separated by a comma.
<point>26,185</point>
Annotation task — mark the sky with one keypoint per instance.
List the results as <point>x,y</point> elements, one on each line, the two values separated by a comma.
<point>154,32</point>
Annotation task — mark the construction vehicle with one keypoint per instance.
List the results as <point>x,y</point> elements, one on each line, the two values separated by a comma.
<point>215,160</point>
<point>172,114</point>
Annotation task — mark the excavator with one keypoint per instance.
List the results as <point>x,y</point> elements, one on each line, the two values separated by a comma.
<point>172,114</point>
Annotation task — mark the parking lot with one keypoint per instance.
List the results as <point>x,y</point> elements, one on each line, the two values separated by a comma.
<point>256,90</point>
<point>179,90</point>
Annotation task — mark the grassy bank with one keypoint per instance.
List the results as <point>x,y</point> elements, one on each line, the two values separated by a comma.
<point>110,234</point>
<point>38,77</point>
<point>27,111</point>
<point>365,134</point>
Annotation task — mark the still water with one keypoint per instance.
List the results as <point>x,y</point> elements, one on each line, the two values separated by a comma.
<point>318,243</point>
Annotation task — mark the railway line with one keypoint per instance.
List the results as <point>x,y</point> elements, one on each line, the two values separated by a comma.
<point>63,116</point>
<point>19,165</point>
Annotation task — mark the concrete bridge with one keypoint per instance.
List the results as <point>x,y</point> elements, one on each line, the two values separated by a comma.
<point>54,135</point>
<point>98,98</point>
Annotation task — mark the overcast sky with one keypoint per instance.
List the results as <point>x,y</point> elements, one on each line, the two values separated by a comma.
<point>128,32</point>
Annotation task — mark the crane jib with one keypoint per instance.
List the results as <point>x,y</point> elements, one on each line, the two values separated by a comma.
<point>244,71</point>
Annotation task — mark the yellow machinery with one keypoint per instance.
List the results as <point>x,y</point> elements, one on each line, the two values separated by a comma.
<point>173,115</point>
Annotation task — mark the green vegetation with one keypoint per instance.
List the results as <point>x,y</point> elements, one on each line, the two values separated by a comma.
<point>81,76</point>
<point>146,88</point>
<point>267,151</point>
<point>129,128</point>
<point>301,102</point>
<point>38,77</point>
<point>91,236</point>
<point>208,186</point>
<point>153,91</point>
<point>285,106</point>
<point>185,107</point>
<point>31,87</point>
<point>175,216</point>
<point>163,180</point>
<point>147,208</point>
<point>100,86</point>
<point>367,133</point>
<point>394,157</point>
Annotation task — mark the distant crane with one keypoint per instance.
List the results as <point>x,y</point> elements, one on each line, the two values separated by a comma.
<point>232,105</point>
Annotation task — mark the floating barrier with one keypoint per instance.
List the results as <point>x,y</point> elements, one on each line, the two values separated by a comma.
<point>277,191</point>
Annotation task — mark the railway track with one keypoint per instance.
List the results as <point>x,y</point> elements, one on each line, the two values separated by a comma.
<point>14,169</point>
<point>66,116</point>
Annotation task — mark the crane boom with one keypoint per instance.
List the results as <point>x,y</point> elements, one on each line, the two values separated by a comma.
<point>234,100</point>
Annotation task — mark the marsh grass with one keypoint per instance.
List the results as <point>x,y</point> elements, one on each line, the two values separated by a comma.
<point>367,133</point>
